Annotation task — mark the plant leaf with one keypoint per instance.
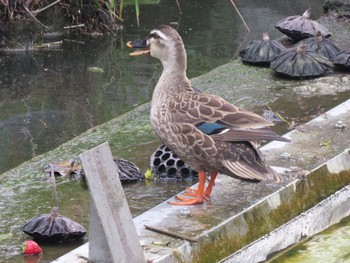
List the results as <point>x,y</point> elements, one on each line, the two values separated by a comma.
<point>137,10</point>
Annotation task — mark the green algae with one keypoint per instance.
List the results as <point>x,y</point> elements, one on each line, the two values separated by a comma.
<point>132,128</point>
<point>331,245</point>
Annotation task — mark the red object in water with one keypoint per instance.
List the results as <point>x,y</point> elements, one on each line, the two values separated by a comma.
<point>30,247</point>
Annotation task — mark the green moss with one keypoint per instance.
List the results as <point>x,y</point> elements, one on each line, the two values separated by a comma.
<point>127,130</point>
<point>263,218</point>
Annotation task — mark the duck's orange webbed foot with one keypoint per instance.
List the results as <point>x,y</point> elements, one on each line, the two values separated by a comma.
<point>193,192</point>
<point>187,201</point>
<point>199,193</point>
<point>190,192</point>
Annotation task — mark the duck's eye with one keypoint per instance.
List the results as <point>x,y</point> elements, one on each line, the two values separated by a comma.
<point>154,35</point>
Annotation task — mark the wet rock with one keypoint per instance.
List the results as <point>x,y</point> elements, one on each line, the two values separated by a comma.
<point>337,8</point>
<point>340,125</point>
<point>271,116</point>
<point>324,86</point>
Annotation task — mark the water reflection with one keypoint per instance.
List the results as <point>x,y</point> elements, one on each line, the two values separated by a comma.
<point>50,97</point>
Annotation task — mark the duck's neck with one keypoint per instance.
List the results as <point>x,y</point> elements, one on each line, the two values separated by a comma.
<point>176,60</point>
<point>173,79</point>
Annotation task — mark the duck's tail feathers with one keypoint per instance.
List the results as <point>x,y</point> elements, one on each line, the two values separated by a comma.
<point>256,171</point>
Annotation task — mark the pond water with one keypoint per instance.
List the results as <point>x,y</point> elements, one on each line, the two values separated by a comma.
<point>331,245</point>
<point>49,97</point>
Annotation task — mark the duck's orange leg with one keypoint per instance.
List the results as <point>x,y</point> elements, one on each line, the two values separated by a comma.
<point>199,196</point>
<point>209,188</point>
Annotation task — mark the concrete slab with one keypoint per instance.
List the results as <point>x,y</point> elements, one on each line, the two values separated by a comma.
<point>240,213</point>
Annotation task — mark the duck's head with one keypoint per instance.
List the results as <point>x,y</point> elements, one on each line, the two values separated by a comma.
<point>163,43</point>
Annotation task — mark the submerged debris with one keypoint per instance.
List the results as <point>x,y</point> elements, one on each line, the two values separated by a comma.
<point>261,52</point>
<point>166,165</point>
<point>128,171</point>
<point>271,116</point>
<point>300,27</point>
<point>68,168</point>
<point>300,62</point>
<point>295,172</point>
<point>95,70</point>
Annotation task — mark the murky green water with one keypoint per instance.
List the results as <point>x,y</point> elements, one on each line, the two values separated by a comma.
<point>329,246</point>
<point>48,97</point>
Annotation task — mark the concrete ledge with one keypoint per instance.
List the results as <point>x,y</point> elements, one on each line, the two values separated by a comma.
<point>239,213</point>
<point>328,212</point>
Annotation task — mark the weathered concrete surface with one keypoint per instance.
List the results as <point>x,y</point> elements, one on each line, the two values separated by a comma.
<point>314,142</point>
<point>240,212</point>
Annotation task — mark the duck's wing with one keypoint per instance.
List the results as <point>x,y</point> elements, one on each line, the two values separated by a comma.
<point>220,119</point>
<point>200,107</point>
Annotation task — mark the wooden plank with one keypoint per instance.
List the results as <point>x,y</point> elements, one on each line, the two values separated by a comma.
<point>98,245</point>
<point>112,210</point>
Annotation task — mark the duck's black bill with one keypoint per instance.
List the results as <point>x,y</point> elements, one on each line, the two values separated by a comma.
<point>139,44</point>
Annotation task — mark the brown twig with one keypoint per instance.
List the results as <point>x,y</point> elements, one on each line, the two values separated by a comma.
<point>178,6</point>
<point>48,45</point>
<point>167,233</point>
<point>35,12</point>
<point>239,13</point>
<point>246,26</point>
<point>27,49</point>
<point>74,26</point>
<point>53,181</point>
<point>30,13</point>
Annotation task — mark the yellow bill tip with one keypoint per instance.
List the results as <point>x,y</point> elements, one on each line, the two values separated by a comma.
<point>128,44</point>
<point>139,52</point>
